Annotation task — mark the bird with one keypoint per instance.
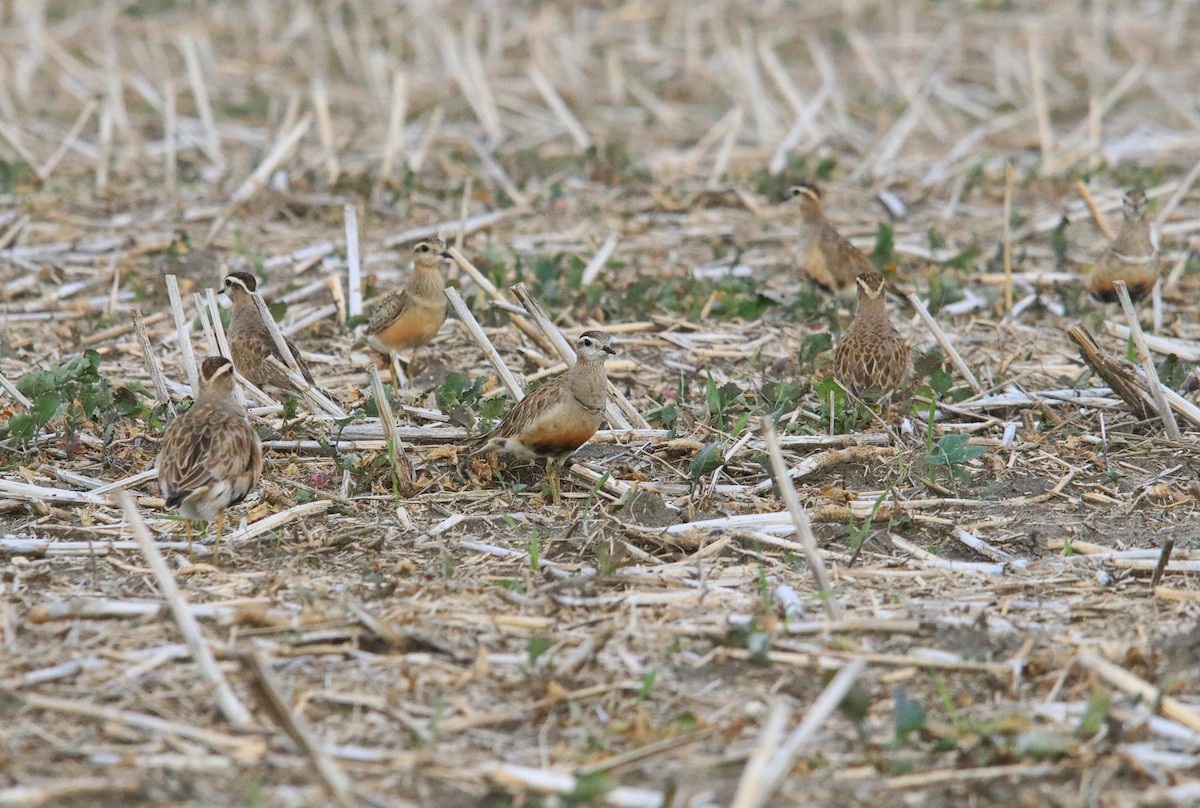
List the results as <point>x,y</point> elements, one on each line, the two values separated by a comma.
<point>561,415</point>
<point>872,360</point>
<point>1131,257</point>
<point>828,258</point>
<point>210,457</point>
<point>411,316</point>
<point>251,344</point>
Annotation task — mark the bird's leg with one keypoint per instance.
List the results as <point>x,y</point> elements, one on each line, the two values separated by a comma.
<point>412,361</point>
<point>187,531</point>
<point>217,540</point>
<point>399,380</point>
<point>553,466</point>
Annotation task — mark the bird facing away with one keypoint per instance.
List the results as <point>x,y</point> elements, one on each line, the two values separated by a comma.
<point>827,258</point>
<point>411,316</point>
<point>250,342</point>
<point>1131,257</point>
<point>210,456</point>
<point>872,359</point>
<point>561,415</point>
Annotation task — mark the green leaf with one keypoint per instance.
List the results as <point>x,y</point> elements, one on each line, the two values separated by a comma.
<point>21,428</point>
<point>953,450</point>
<point>647,683</point>
<point>712,398</point>
<point>46,408</point>
<point>1059,243</point>
<point>707,460</point>
<point>941,380</point>
<point>1095,714</point>
<point>908,715</point>
<point>665,416</point>
<point>537,646</point>
<point>856,703</point>
<point>885,251</point>
<point>589,788</point>
<point>1172,372</point>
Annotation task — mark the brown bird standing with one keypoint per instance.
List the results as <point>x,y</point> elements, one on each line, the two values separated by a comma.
<point>872,359</point>
<point>1131,257</point>
<point>210,456</point>
<point>251,344</point>
<point>412,315</point>
<point>561,415</point>
<point>828,259</point>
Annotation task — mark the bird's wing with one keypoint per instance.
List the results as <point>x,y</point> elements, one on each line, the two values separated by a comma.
<point>520,417</point>
<point>210,447</point>
<point>387,311</point>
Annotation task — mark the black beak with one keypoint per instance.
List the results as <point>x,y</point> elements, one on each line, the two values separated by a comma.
<point>608,349</point>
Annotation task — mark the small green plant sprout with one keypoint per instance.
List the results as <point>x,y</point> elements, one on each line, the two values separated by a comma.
<point>952,452</point>
<point>648,680</point>
<point>535,549</point>
<point>589,789</point>
<point>536,646</point>
<point>726,405</point>
<point>666,416</point>
<point>860,533</point>
<point>70,396</point>
<point>707,460</point>
<point>839,410</point>
<point>885,246</point>
<point>813,346</point>
<point>908,716</point>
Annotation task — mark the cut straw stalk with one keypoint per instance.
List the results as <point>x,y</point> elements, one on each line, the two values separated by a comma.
<point>191,57</point>
<point>258,178</point>
<point>291,367</point>
<point>476,222</point>
<point>215,331</point>
<point>320,100</point>
<point>595,266</point>
<point>1130,684</point>
<point>354,298</point>
<point>327,768</point>
<point>400,464</point>
<point>560,109</point>
<point>784,759</point>
<point>170,146</point>
<point>244,748</point>
<point>227,701</point>
<point>529,329</point>
<point>1007,230</point>
<point>481,339</point>
<point>947,346</point>
<point>52,162</point>
<point>183,334</point>
<point>804,531</point>
<point>1097,215</point>
<point>393,146</point>
<point>156,375</point>
<point>14,393</point>
<point>1139,340</point>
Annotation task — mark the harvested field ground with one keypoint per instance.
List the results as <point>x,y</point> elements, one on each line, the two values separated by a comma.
<point>994,619</point>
